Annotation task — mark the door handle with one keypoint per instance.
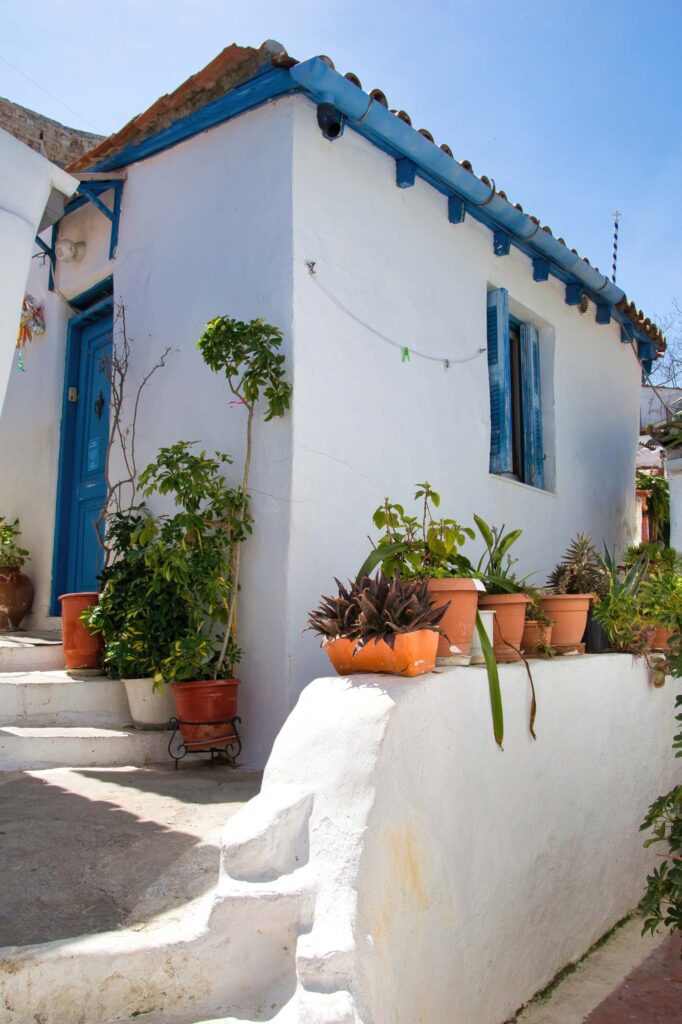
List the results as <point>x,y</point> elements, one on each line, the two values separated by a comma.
<point>99,406</point>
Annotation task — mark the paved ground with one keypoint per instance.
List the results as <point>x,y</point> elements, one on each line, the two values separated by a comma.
<point>90,849</point>
<point>628,980</point>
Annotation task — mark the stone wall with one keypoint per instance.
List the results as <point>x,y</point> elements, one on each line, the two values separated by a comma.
<point>62,144</point>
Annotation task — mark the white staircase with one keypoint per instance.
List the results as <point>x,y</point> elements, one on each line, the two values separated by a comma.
<point>50,717</point>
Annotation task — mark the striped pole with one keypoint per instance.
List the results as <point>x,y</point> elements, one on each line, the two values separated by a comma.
<point>616,218</point>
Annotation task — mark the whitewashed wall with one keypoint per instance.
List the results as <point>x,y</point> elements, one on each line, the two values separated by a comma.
<point>205,230</point>
<point>368,425</point>
<point>397,867</point>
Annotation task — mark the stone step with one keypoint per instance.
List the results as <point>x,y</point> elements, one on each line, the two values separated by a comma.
<point>31,652</point>
<point>57,698</point>
<point>23,747</point>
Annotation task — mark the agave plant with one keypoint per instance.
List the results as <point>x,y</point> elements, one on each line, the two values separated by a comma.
<point>375,609</point>
<point>581,571</point>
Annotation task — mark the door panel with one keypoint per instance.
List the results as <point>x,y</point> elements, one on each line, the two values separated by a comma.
<point>88,458</point>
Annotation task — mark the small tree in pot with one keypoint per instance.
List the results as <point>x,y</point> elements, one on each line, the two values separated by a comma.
<point>580,578</point>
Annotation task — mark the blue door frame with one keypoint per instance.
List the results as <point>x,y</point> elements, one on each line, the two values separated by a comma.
<point>75,445</point>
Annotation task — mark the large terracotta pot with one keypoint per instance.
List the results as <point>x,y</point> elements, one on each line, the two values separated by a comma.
<point>204,709</point>
<point>510,617</point>
<point>16,596</point>
<point>81,649</point>
<point>535,634</point>
<point>413,655</point>
<point>150,708</point>
<point>659,641</point>
<point>569,612</point>
<point>458,622</point>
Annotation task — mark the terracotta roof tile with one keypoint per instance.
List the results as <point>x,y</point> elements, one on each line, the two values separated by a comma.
<point>235,65</point>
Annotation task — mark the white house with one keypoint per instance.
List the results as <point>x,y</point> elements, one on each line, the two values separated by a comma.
<point>409,291</point>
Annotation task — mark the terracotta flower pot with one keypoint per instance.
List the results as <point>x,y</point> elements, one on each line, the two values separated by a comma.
<point>204,709</point>
<point>413,655</point>
<point>659,641</point>
<point>510,616</point>
<point>569,612</point>
<point>458,621</point>
<point>16,596</point>
<point>81,650</point>
<point>535,634</point>
<point>150,708</point>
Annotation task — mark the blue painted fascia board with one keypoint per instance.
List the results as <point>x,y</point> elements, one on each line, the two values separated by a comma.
<point>263,87</point>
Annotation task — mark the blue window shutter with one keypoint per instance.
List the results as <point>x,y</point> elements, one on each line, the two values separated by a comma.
<point>499,376</point>
<point>534,463</point>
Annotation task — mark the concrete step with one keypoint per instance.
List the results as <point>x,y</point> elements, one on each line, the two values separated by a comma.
<point>24,747</point>
<point>56,698</point>
<point>31,652</point>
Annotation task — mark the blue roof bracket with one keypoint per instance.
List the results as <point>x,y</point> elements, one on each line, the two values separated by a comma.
<point>603,315</point>
<point>501,243</point>
<point>540,269</point>
<point>51,254</point>
<point>91,191</point>
<point>404,172</point>
<point>456,209</point>
<point>574,294</point>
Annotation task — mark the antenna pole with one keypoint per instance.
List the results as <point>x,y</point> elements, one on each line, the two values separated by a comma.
<point>616,218</point>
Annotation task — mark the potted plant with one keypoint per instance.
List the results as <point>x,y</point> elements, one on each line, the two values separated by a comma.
<point>423,547</point>
<point>660,598</point>
<point>139,614</point>
<point>620,609</point>
<point>537,629</point>
<point>379,625</point>
<point>16,589</point>
<point>187,560</point>
<point>578,579</point>
<point>505,593</point>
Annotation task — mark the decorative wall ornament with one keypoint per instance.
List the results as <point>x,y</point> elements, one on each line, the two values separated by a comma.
<point>31,323</point>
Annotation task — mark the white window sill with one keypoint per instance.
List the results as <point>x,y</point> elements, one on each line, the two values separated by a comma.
<point>508,479</point>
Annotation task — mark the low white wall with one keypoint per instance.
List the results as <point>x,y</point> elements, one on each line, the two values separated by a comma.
<point>397,868</point>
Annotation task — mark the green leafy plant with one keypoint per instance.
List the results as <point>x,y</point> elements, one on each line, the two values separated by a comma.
<point>662,901</point>
<point>535,611</point>
<point>620,612</point>
<point>12,556</point>
<point>418,546</point>
<point>248,356</point>
<point>495,566</point>
<point>659,558</point>
<point>375,609</point>
<point>660,598</point>
<point>190,551</point>
<point>581,571</point>
<point>140,612</point>
<point>658,505</point>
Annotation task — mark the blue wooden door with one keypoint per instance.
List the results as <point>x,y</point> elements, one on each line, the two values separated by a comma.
<point>88,456</point>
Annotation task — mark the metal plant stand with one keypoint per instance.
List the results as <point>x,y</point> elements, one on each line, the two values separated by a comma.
<point>220,748</point>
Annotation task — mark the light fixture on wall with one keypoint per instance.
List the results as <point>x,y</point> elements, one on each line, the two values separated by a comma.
<point>68,251</point>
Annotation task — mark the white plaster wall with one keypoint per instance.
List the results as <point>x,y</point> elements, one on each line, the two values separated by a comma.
<point>674,471</point>
<point>367,425</point>
<point>397,867</point>
<point>205,230</point>
<point>25,186</point>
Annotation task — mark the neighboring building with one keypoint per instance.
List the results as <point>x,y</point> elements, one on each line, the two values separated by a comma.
<point>263,187</point>
<point>61,145</point>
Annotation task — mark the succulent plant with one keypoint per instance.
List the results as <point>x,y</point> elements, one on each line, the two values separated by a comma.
<point>375,609</point>
<point>581,571</point>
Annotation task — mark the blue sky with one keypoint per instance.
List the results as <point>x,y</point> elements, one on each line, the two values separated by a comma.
<point>574,108</point>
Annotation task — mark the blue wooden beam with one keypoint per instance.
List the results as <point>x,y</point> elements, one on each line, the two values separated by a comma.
<point>456,209</point>
<point>90,191</point>
<point>404,173</point>
<point>501,243</point>
<point>603,315</point>
<point>574,294</point>
<point>540,269</point>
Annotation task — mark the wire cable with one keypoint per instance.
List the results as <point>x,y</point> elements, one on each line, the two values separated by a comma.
<point>446,361</point>
<point>48,93</point>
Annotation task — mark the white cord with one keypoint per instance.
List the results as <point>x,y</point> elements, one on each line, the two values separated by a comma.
<point>445,360</point>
